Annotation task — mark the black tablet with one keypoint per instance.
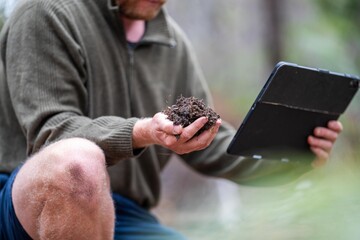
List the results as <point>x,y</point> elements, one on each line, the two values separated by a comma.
<point>294,100</point>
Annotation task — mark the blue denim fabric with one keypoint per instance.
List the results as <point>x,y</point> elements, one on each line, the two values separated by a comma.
<point>10,227</point>
<point>134,222</point>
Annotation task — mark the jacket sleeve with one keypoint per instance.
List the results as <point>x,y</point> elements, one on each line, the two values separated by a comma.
<point>214,160</point>
<point>46,75</point>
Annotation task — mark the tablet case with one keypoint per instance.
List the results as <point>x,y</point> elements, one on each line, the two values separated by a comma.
<point>294,100</point>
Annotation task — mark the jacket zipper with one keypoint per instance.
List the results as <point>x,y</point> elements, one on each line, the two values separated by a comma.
<point>130,76</point>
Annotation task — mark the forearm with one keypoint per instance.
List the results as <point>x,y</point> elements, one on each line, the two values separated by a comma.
<point>112,134</point>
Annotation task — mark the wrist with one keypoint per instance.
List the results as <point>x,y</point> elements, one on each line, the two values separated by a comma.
<point>140,136</point>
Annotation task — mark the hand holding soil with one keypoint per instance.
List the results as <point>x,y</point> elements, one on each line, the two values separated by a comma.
<point>187,110</point>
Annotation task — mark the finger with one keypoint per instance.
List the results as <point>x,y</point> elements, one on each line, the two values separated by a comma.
<point>200,142</point>
<point>326,133</point>
<point>335,126</point>
<point>214,129</point>
<point>167,126</point>
<point>189,131</point>
<point>316,142</point>
<point>321,157</point>
<point>169,140</point>
<point>208,136</point>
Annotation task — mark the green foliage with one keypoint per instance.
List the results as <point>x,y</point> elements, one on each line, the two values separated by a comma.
<point>347,10</point>
<point>2,16</point>
<point>344,17</point>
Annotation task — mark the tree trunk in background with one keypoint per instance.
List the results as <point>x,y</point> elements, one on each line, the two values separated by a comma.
<point>273,30</point>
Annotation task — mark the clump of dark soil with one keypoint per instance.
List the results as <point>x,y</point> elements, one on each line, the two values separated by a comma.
<point>187,110</point>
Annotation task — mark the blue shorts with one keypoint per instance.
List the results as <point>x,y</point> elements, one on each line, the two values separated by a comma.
<point>132,221</point>
<point>10,227</point>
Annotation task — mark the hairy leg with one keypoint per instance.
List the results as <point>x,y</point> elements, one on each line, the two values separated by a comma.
<point>63,192</point>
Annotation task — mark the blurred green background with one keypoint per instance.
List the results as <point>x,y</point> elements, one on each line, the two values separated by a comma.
<point>238,43</point>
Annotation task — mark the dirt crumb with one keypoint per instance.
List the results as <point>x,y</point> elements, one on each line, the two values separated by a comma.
<point>188,109</point>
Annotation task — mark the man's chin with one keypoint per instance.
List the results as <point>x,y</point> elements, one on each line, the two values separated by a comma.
<point>142,16</point>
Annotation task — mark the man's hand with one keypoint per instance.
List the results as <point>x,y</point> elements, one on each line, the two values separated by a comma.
<point>161,131</point>
<point>323,140</point>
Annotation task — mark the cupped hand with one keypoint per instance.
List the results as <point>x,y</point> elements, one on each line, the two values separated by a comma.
<point>161,131</point>
<point>322,141</point>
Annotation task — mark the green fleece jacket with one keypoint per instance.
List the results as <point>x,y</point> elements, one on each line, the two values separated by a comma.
<point>67,71</point>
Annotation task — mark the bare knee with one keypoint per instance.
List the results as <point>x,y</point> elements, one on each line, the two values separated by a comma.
<point>73,150</point>
<point>74,166</point>
<point>70,172</point>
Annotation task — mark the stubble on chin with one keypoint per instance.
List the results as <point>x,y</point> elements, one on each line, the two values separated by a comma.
<point>132,10</point>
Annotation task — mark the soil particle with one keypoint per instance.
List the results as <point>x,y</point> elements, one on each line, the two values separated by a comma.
<point>188,109</point>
